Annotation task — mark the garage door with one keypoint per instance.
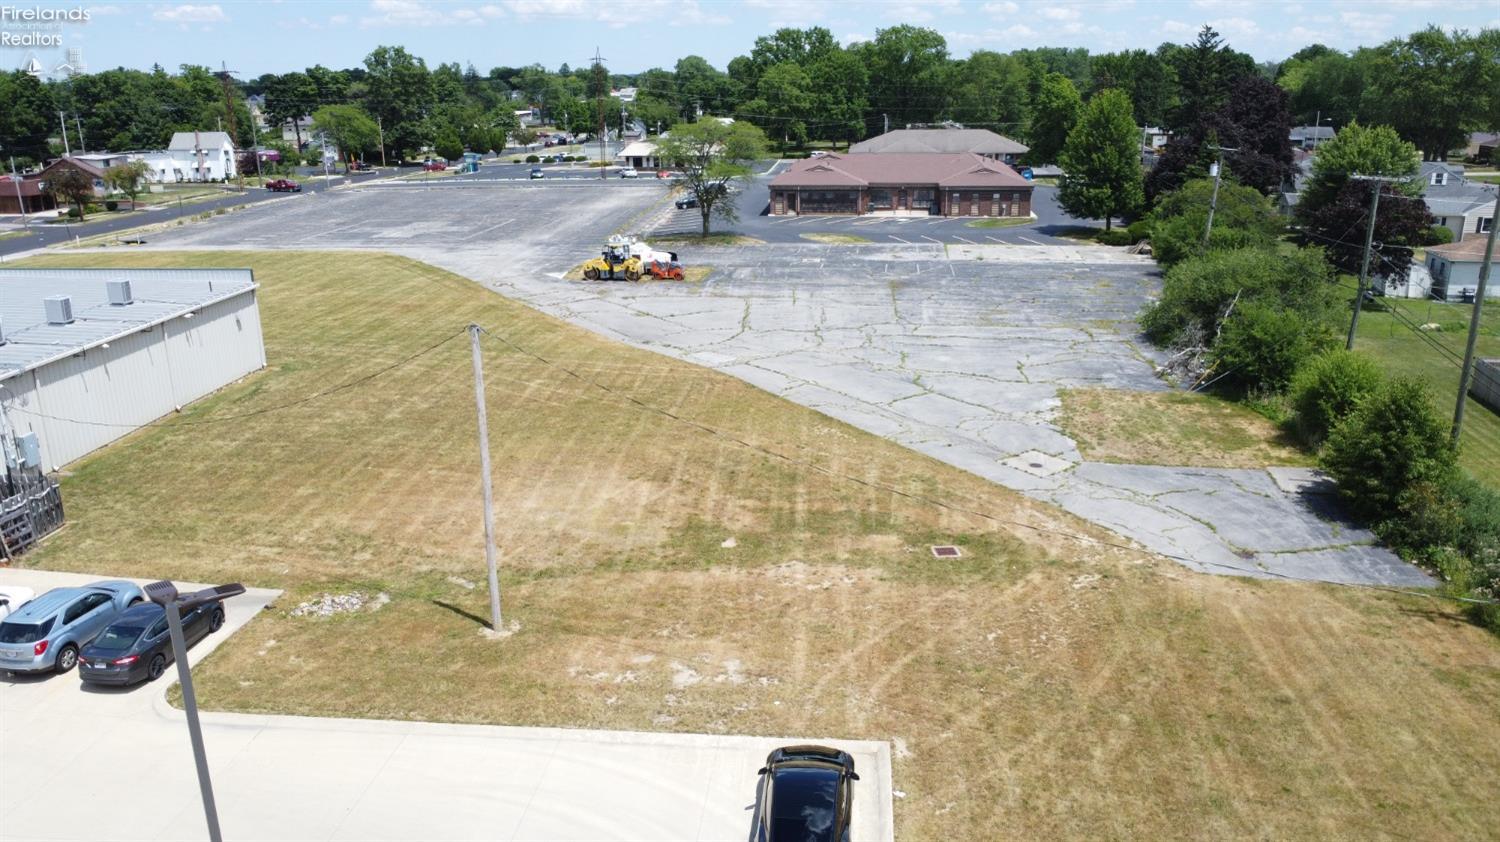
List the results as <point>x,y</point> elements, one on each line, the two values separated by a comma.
<point>830,201</point>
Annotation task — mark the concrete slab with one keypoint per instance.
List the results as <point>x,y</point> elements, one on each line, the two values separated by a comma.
<point>287,777</point>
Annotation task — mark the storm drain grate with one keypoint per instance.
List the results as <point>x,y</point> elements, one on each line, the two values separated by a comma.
<point>946,552</point>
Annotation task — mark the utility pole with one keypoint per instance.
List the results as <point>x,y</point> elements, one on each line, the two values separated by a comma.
<point>255,138</point>
<point>601,86</point>
<point>380,127</point>
<point>83,148</point>
<point>484,476</point>
<point>67,153</point>
<point>887,118</point>
<point>1468,369</point>
<point>20,202</point>
<point>1364,265</point>
<point>1213,203</point>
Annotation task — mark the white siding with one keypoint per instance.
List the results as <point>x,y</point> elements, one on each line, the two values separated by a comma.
<point>80,403</point>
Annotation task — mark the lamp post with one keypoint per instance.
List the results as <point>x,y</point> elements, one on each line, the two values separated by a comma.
<point>165,594</point>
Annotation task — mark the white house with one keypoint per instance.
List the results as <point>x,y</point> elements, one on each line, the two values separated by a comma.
<point>203,156</point>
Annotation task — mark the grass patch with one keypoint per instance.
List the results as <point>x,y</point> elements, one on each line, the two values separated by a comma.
<point>15,235</point>
<point>1039,687</point>
<point>191,193</point>
<point>1432,356</point>
<point>835,239</point>
<point>717,238</point>
<point>1173,428</point>
<point>1001,222</point>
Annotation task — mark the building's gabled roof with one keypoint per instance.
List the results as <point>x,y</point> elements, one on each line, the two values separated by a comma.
<point>192,141</point>
<point>1458,195</point>
<point>957,170</point>
<point>637,149</point>
<point>981,141</point>
<point>1469,250</point>
<point>1315,132</point>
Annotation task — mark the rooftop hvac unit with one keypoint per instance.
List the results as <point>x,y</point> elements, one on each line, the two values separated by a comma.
<point>119,293</point>
<point>59,309</point>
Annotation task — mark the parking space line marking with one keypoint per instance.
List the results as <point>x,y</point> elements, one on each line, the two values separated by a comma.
<point>1029,240</point>
<point>993,240</point>
<point>780,219</point>
<point>809,219</point>
<point>934,239</point>
<point>965,239</point>
<point>898,239</point>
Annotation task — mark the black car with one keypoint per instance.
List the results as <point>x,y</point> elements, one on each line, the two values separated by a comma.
<point>688,201</point>
<point>806,794</point>
<point>137,647</point>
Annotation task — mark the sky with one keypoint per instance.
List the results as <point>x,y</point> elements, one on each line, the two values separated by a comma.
<point>275,36</point>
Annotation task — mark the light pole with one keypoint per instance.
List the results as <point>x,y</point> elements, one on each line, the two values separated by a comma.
<point>1213,203</point>
<point>1468,370</point>
<point>165,594</point>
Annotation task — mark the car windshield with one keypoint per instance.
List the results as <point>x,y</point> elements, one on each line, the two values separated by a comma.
<point>803,802</point>
<point>24,632</point>
<point>117,638</point>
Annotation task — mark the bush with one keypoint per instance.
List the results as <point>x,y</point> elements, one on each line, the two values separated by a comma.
<point>1197,292</point>
<point>74,212</point>
<point>532,159</point>
<point>1115,237</point>
<point>1263,344</point>
<point>1391,442</point>
<point>1329,388</point>
<point>1243,218</point>
<point>1140,230</point>
<point>111,205</point>
<point>1438,235</point>
<point>1479,526</point>
<point>1426,519</point>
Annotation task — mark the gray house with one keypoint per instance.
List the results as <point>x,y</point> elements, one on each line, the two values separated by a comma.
<point>1455,270</point>
<point>1310,137</point>
<point>951,141</point>
<point>1462,206</point>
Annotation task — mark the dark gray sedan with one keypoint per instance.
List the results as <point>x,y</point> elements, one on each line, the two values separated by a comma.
<point>136,647</point>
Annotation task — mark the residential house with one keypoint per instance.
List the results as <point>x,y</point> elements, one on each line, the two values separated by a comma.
<point>901,184</point>
<point>625,95</point>
<point>203,156</point>
<point>30,193</point>
<point>1311,137</point>
<point>1455,270</point>
<point>1462,206</point>
<point>299,131</point>
<point>947,141</point>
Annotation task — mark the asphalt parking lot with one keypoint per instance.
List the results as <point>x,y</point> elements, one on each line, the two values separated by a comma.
<point>80,764</point>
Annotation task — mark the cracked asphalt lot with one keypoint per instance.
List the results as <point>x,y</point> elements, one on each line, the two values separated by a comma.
<point>957,352</point>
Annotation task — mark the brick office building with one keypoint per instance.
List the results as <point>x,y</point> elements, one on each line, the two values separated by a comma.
<point>901,184</point>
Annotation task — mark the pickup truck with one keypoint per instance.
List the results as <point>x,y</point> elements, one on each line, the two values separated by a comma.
<point>283,185</point>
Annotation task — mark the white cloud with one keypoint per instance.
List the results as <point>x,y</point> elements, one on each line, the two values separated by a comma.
<point>853,38</point>
<point>921,12</point>
<point>409,13</point>
<point>1060,13</point>
<point>790,12</point>
<point>1375,25</point>
<point>1002,7</point>
<point>189,13</point>
<point>1177,27</point>
<point>616,15</point>
<point>1232,28</point>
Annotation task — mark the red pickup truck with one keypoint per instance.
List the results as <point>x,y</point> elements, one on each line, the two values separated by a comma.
<point>283,185</point>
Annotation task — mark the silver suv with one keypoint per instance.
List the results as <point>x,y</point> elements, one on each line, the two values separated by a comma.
<point>47,632</point>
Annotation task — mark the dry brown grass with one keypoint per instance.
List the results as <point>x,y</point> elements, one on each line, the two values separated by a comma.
<point>1037,688</point>
<point>1173,428</point>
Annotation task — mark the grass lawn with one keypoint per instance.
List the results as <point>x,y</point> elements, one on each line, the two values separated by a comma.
<point>1039,687</point>
<point>185,193</point>
<point>1173,428</point>
<point>1009,222</point>
<point>836,239</point>
<point>716,238</point>
<point>1433,356</point>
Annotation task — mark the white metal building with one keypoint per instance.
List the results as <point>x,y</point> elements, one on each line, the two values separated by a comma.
<point>89,355</point>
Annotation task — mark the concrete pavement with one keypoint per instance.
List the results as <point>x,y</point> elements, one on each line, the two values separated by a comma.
<point>83,764</point>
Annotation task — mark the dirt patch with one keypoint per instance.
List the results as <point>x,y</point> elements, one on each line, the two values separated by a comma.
<point>835,239</point>
<point>1173,428</point>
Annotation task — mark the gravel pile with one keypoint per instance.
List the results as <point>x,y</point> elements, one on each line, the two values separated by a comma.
<point>329,604</point>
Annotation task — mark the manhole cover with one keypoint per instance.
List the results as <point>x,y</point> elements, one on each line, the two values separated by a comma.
<point>946,552</point>
<point>1035,464</point>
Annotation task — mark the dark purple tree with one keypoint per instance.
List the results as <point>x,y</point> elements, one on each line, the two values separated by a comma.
<point>1256,121</point>
<point>1401,223</point>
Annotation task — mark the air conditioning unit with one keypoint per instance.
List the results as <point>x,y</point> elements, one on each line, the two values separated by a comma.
<point>30,450</point>
<point>119,293</point>
<point>59,309</point>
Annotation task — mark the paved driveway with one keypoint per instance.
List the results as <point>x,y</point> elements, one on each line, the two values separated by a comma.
<point>955,350</point>
<point>78,764</point>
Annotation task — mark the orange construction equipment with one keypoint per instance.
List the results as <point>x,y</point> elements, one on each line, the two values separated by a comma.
<point>665,269</point>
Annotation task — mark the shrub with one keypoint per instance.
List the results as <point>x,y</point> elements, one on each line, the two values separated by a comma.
<point>1438,235</point>
<point>1114,237</point>
<point>1479,526</point>
<point>1392,441</point>
<point>111,205</point>
<point>1328,388</point>
<point>74,212</point>
<point>1197,292</point>
<point>1243,218</point>
<point>1139,230</point>
<point>532,159</point>
<point>1263,344</point>
<point>1427,518</point>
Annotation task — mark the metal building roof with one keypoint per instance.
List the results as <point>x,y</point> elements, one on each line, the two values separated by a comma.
<point>158,295</point>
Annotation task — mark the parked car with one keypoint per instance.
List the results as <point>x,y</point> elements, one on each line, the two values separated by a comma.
<point>47,632</point>
<point>629,172</point>
<point>806,794</point>
<point>665,174</point>
<point>688,201</point>
<point>359,166</point>
<point>283,185</point>
<point>12,597</point>
<point>537,172</point>
<point>434,166</point>
<point>137,647</point>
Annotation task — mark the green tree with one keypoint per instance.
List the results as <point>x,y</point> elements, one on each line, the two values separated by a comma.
<point>348,127</point>
<point>447,145</point>
<point>841,95</point>
<point>1358,149</point>
<point>786,91</point>
<point>127,178</point>
<point>25,117</point>
<point>1390,443</point>
<point>71,186</point>
<point>700,85</point>
<point>1101,161</point>
<point>909,74</point>
<point>1206,70</point>
<point>714,159</point>
<point>289,98</point>
<point>1054,114</point>
<point>1430,86</point>
<point>1243,218</point>
<point>1144,77</point>
<point>990,91</point>
<point>401,96</point>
